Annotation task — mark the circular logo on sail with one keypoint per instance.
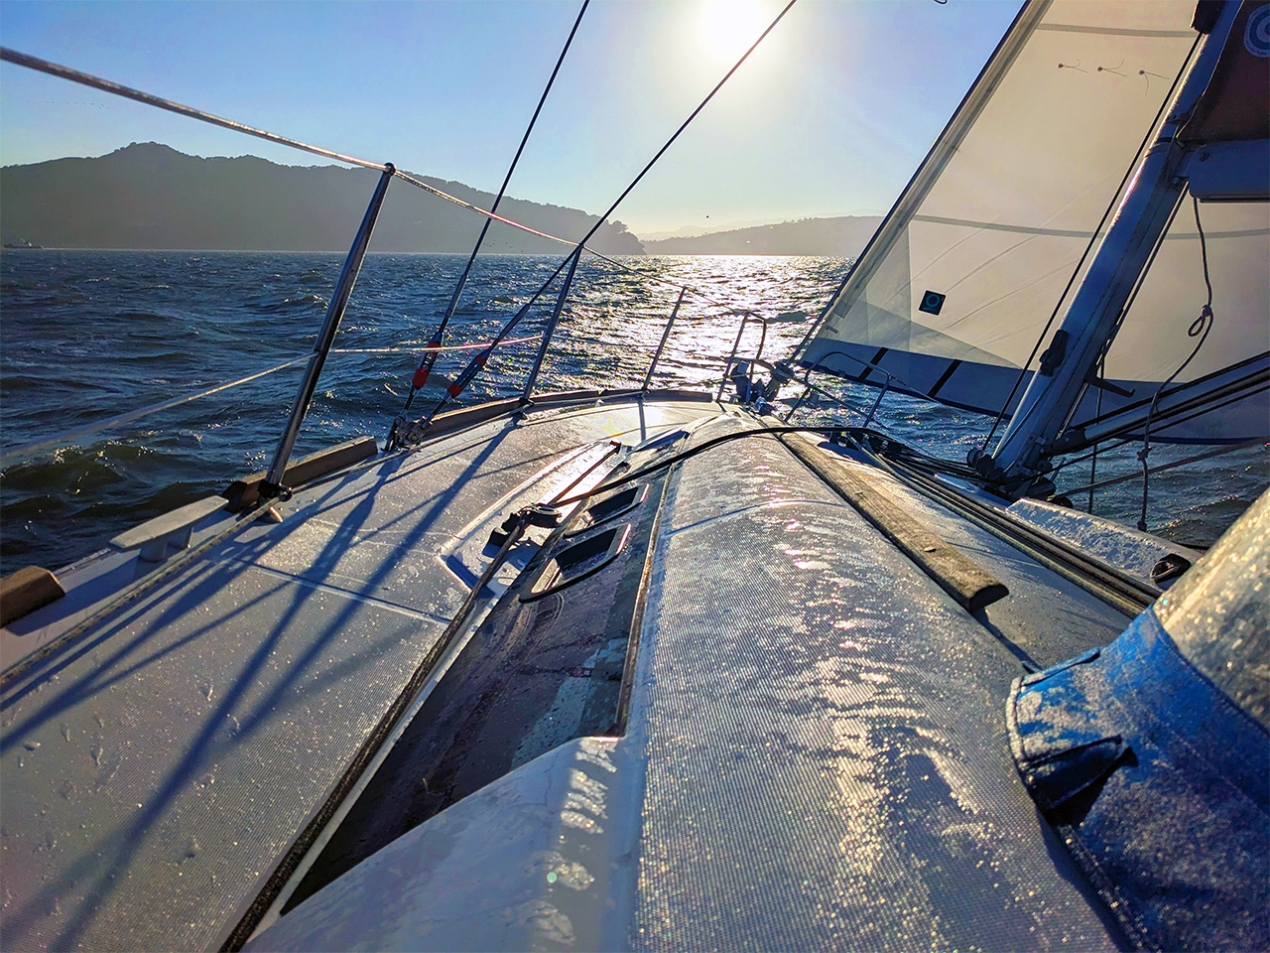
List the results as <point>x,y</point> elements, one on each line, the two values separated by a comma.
<point>1257,35</point>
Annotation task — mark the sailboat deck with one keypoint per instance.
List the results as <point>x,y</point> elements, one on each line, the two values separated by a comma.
<point>156,769</point>
<point>815,759</point>
<point>814,751</point>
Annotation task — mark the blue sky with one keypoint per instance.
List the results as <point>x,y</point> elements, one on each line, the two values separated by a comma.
<point>829,117</point>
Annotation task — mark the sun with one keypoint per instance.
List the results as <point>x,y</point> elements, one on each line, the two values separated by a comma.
<point>728,27</point>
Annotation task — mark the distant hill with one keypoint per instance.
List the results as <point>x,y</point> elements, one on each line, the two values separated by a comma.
<point>148,195</point>
<point>843,237</point>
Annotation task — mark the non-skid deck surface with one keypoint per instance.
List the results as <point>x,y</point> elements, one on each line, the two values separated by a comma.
<point>824,734</point>
<point>154,772</point>
<point>815,759</point>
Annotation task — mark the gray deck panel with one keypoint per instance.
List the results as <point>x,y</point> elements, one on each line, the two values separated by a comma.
<point>89,582</point>
<point>802,690</point>
<point>815,759</point>
<point>381,532</point>
<point>154,772</point>
<point>153,780</point>
<point>827,765</point>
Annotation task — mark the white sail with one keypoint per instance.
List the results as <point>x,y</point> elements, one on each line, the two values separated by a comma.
<point>999,215</point>
<point>1153,342</point>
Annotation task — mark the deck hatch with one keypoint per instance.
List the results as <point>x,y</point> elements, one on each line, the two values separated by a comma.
<point>574,563</point>
<point>611,508</point>
<point>549,664</point>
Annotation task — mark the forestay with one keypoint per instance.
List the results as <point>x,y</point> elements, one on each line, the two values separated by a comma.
<point>955,289</point>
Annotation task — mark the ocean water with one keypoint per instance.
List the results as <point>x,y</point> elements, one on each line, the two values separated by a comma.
<point>88,335</point>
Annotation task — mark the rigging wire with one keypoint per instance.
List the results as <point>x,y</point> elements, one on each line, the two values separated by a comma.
<point>428,361</point>
<point>919,183</point>
<point>1199,328</point>
<point>1169,466</point>
<point>1119,323</point>
<point>1093,459</point>
<point>1256,368</point>
<point>1101,362</point>
<point>69,436</point>
<point>1185,410</point>
<point>481,359</point>
<point>427,347</point>
<point>1207,407</point>
<point>128,92</point>
<point>824,312</point>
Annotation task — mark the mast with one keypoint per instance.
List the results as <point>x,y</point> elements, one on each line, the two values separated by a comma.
<point>1091,321</point>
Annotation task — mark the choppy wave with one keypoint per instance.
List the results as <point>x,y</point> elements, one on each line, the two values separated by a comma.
<point>264,303</point>
<point>88,335</point>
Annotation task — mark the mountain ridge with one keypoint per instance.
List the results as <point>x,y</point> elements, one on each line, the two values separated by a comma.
<point>150,196</point>
<point>842,236</point>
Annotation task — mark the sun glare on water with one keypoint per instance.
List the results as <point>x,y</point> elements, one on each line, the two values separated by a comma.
<point>728,27</point>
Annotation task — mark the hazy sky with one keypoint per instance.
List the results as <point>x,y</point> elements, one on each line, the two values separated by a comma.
<point>829,117</point>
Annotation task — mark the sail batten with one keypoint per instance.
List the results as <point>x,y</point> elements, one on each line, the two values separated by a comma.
<point>1004,227</point>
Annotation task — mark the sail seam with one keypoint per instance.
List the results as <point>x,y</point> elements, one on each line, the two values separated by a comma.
<point>943,378</point>
<point>1075,233</point>
<point>1003,227</point>
<point>1115,31</point>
